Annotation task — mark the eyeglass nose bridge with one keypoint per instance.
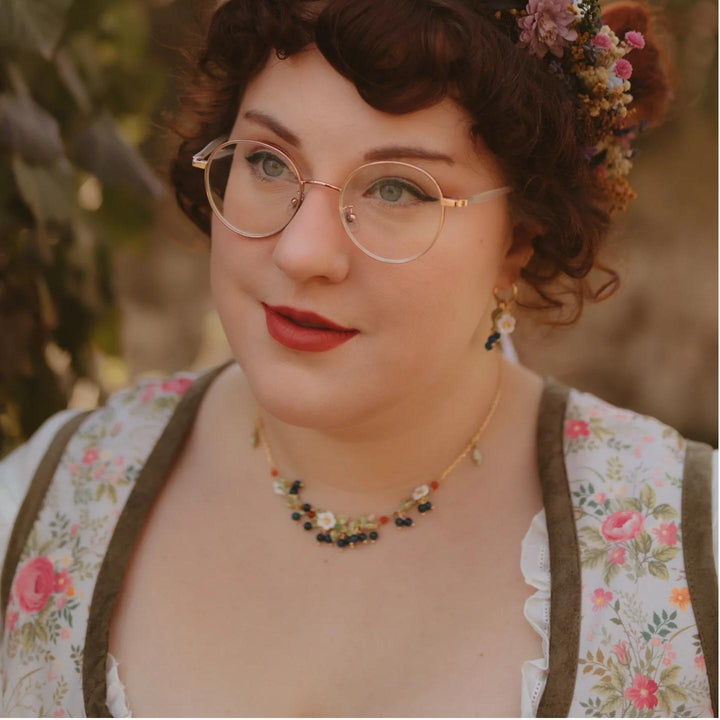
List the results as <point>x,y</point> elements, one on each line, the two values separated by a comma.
<point>348,211</point>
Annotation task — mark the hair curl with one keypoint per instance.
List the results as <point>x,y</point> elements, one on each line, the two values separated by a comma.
<point>406,55</point>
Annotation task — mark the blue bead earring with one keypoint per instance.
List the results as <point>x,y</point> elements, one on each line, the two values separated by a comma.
<point>503,322</point>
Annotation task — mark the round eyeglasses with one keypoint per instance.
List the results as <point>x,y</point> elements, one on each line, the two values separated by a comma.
<point>392,211</point>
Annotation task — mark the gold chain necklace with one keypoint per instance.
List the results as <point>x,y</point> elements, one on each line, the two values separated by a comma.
<point>344,531</point>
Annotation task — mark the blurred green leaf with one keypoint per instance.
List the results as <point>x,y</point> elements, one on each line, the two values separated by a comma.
<point>34,25</point>
<point>28,129</point>
<point>48,190</point>
<point>100,150</point>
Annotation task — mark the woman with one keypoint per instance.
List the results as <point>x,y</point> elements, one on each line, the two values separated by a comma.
<point>376,179</point>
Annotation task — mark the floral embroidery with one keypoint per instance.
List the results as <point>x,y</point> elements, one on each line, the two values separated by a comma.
<point>48,606</point>
<point>641,653</point>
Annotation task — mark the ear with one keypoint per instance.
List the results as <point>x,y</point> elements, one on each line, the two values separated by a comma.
<point>518,252</point>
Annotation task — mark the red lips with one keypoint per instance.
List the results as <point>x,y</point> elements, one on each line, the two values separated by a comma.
<point>289,327</point>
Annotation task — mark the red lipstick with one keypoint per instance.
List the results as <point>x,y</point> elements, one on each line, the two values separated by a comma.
<point>301,330</point>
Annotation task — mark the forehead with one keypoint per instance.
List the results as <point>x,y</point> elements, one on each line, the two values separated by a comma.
<point>324,110</point>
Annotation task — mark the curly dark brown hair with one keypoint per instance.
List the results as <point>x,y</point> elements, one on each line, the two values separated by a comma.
<point>406,55</point>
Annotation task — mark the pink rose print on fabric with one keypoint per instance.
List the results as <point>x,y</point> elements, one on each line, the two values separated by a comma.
<point>601,598</point>
<point>60,601</point>
<point>617,556</point>
<point>73,530</point>
<point>576,428</point>
<point>12,618</point>
<point>621,653</point>
<point>177,385</point>
<point>700,662</point>
<point>90,456</point>
<point>622,525</point>
<point>34,584</point>
<point>642,692</point>
<point>62,581</point>
<point>666,533</point>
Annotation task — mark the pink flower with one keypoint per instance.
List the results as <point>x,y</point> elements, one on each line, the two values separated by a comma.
<point>59,713</point>
<point>699,661</point>
<point>34,584</point>
<point>635,39</point>
<point>668,657</point>
<point>177,385</point>
<point>12,618</point>
<point>90,456</point>
<point>599,498</point>
<point>547,26</point>
<point>65,633</point>
<point>617,556</point>
<point>147,395</point>
<point>99,472</point>
<point>621,652</point>
<point>655,641</point>
<point>576,428</point>
<point>73,468</point>
<point>62,580</point>
<point>622,525</point>
<point>60,601</point>
<point>666,533</point>
<point>601,41</point>
<point>623,69</point>
<point>73,529</point>
<point>642,692</point>
<point>119,460</point>
<point>601,598</point>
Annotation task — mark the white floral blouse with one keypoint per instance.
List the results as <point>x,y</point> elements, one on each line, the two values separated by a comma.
<point>625,531</point>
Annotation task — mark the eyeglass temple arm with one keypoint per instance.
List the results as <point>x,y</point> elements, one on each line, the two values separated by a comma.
<point>480,197</point>
<point>200,159</point>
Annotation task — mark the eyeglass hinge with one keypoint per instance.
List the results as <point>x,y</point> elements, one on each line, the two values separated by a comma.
<point>457,203</point>
<point>200,159</point>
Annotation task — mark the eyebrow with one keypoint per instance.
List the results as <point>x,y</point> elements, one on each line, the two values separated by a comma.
<point>389,152</point>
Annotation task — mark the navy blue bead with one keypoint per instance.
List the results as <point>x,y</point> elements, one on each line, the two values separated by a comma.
<point>354,538</point>
<point>293,491</point>
<point>296,516</point>
<point>422,508</point>
<point>362,537</point>
<point>321,537</point>
<point>488,346</point>
<point>342,542</point>
<point>428,505</point>
<point>408,521</point>
<point>399,522</point>
<point>296,483</point>
<point>307,507</point>
<point>308,525</point>
<point>373,535</point>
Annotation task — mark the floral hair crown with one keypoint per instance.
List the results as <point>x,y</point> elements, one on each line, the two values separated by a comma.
<point>589,58</point>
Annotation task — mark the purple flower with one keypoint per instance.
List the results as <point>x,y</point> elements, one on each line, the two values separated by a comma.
<point>547,26</point>
<point>601,41</point>
<point>623,69</point>
<point>635,39</point>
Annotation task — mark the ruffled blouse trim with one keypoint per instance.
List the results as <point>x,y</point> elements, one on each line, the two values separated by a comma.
<point>535,565</point>
<point>116,702</point>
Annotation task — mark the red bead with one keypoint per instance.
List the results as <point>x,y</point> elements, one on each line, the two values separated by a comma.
<point>311,513</point>
<point>434,484</point>
<point>274,472</point>
<point>384,519</point>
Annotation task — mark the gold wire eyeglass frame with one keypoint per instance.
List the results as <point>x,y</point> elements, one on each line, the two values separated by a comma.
<point>203,160</point>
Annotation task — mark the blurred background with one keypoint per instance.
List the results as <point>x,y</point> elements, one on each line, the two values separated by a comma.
<point>102,279</point>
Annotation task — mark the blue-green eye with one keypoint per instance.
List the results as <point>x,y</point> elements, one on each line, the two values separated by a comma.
<point>396,191</point>
<point>267,164</point>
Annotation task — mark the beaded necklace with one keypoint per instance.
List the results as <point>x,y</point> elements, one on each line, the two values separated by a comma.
<point>345,531</point>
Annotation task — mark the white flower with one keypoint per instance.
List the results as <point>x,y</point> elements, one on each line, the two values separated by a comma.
<point>420,492</point>
<point>505,324</point>
<point>278,487</point>
<point>326,520</point>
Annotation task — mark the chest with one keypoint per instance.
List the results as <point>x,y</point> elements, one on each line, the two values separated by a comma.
<point>257,622</point>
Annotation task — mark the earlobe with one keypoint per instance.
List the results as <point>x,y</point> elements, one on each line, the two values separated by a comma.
<point>519,252</point>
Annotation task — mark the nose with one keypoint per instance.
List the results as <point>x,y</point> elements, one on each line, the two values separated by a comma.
<point>314,243</point>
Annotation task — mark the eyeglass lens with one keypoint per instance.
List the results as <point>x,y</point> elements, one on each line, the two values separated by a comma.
<point>390,209</point>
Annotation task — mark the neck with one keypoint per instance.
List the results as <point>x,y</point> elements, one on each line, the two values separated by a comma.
<point>371,466</point>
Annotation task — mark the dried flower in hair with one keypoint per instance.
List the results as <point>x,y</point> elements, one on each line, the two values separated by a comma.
<point>635,39</point>
<point>601,42</point>
<point>546,26</point>
<point>623,69</point>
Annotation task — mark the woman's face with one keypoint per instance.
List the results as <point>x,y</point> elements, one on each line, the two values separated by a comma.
<point>422,325</point>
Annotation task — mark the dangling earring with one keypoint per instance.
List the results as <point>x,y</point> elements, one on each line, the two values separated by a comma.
<point>503,321</point>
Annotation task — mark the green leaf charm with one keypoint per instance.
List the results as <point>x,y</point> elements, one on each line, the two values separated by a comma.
<point>476,456</point>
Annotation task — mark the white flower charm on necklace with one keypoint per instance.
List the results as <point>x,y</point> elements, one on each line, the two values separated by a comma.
<point>503,321</point>
<point>326,520</point>
<point>420,492</point>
